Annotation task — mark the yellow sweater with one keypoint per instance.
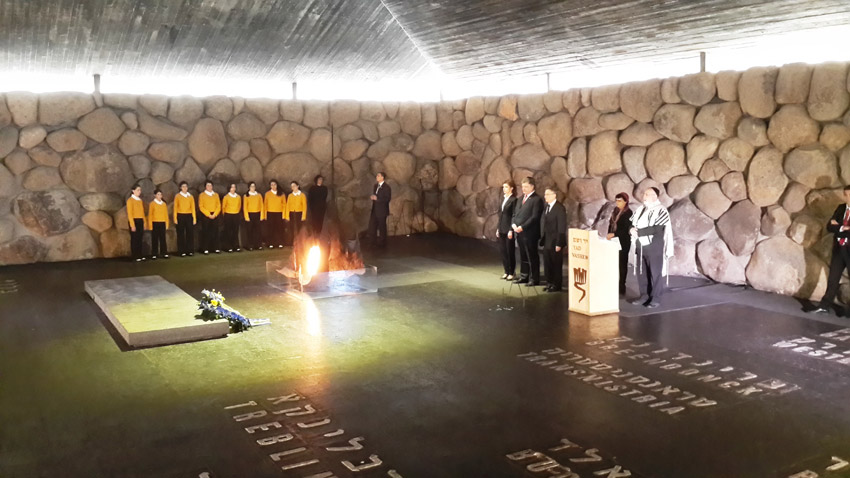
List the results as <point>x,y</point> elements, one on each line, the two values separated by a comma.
<point>184,205</point>
<point>297,203</point>
<point>157,213</point>
<point>135,210</point>
<point>275,203</point>
<point>254,204</point>
<point>209,204</point>
<point>231,205</point>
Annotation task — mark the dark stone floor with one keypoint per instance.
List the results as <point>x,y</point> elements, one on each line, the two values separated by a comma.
<point>446,372</point>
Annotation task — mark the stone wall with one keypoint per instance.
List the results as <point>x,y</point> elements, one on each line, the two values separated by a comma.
<point>751,163</point>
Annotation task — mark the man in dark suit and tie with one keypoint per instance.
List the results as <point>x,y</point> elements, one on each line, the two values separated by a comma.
<point>526,227</point>
<point>380,210</point>
<point>554,239</point>
<point>839,226</point>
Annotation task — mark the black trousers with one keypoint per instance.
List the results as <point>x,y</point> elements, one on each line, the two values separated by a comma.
<point>136,238</point>
<point>529,266</point>
<point>230,234</point>
<point>840,261</point>
<point>209,233</point>
<point>295,225</point>
<point>158,247</point>
<point>624,269</point>
<point>508,249</point>
<point>316,220</point>
<point>650,279</point>
<point>253,227</point>
<point>378,229</point>
<point>553,266</point>
<point>275,229</point>
<point>185,233</point>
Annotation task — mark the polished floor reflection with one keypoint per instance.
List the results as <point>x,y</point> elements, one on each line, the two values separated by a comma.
<point>445,372</point>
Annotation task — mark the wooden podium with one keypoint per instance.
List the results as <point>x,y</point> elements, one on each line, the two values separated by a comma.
<point>594,273</point>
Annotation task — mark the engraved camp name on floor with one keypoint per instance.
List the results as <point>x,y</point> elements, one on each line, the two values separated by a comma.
<point>723,377</point>
<point>568,459</point>
<point>651,393</point>
<point>304,441</point>
<point>824,467</point>
<point>823,346</point>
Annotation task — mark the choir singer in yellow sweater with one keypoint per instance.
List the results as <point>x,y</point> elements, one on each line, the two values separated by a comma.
<point>231,206</point>
<point>136,217</point>
<point>252,208</point>
<point>296,209</point>
<point>157,224</point>
<point>210,206</point>
<point>185,220</point>
<point>275,213</point>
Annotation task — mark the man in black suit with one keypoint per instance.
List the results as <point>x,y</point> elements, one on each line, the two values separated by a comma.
<point>526,228</point>
<point>380,210</point>
<point>839,226</point>
<point>553,240</point>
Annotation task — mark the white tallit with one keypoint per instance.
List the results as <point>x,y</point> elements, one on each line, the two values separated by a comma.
<point>654,214</point>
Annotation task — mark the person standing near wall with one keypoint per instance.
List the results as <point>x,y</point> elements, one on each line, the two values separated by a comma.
<point>136,217</point>
<point>210,206</point>
<point>553,240</point>
<point>254,212</point>
<point>381,198</point>
<point>317,204</point>
<point>618,227</point>
<point>654,234</point>
<point>158,224</point>
<point>504,233</point>
<point>184,220</point>
<point>839,227</point>
<point>526,228</point>
<point>275,207</point>
<point>296,209</point>
<point>231,206</point>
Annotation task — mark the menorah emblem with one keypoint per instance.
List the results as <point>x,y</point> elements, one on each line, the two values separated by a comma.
<point>579,280</point>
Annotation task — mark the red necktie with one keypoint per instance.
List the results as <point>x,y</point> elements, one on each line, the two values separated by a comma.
<point>843,240</point>
<point>524,198</point>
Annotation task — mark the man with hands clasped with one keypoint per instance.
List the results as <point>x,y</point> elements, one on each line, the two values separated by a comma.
<point>839,226</point>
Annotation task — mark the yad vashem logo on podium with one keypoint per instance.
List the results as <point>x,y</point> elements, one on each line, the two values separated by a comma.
<point>580,282</point>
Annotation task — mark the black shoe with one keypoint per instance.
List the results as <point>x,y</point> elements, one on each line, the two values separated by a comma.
<point>819,310</point>
<point>531,283</point>
<point>520,281</point>
<point>553,289</point>
<point>638,301</point>
<point>651,305</point>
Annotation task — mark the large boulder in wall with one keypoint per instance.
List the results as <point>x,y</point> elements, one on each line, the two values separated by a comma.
<point>640,100</point>
<point>718,263</point>
<point>48,213</point>
<point>689,223</point>
<point>301,167</point>
<point>756,90</point>
<point>74,245</point>
<point>739,227</point>
<point>207,143</point>
<point>828,96</point>
<point>23,250</point>
<point>782,266</point>
<point>100,169</point>
<point>812,165</point>
<point>603,154</point>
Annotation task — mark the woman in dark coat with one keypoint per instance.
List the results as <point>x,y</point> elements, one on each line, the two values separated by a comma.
<point>621,221</point>
<point>504,233</point>
<point>317,204</point>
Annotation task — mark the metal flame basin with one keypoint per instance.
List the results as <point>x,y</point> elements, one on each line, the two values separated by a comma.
<point>281,276</point>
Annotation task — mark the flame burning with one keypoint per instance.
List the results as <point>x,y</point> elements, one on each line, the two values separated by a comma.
<point>314,259</point>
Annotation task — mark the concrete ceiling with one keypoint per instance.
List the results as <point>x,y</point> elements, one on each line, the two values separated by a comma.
<point>373,39</point>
